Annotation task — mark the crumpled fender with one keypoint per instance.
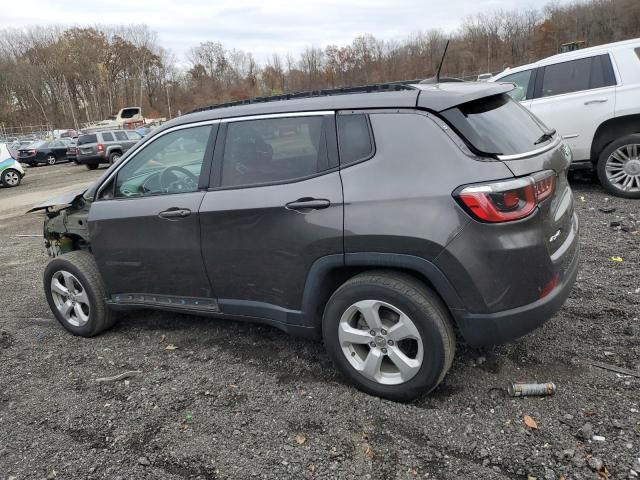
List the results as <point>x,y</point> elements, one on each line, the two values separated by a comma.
<point>61,201</point>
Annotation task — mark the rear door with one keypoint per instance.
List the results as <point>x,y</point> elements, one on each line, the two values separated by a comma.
<point>274,209</point>
<point>145,227</point>
<point>575,97</point>
<point>123,140</point>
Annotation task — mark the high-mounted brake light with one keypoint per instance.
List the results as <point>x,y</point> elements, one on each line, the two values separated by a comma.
<point>507,200</point>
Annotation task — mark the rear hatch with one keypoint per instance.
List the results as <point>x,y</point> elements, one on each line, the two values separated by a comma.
<point>500,128</point>
<point>87,144</point>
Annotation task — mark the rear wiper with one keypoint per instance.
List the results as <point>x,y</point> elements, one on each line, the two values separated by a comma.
<point>545,136</point>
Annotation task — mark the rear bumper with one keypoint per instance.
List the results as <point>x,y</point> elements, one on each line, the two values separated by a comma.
<point>487,329</point>
<point>84,159</point>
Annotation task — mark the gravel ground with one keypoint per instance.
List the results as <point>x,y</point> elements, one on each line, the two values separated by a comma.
<point>227,400</point>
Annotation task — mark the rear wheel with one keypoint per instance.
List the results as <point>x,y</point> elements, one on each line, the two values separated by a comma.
<point>389,334</point>
<point>114,157</point>
<point>76,294</point>
<point>11,178</point>
<point>51,159</point>
<point>619,167</point>
<point>92,166</point>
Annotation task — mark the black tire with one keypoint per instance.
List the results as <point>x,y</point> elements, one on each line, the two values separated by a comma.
<point>609,186</point>
<point>83,267</point>
<point>425,309</point>
<point>10,172</point>
<point>51,159</point>
<point>113,157</point>
<point>92,165</point>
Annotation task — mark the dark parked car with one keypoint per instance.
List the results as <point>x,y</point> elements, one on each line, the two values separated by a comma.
<point>104,147</point>
<point>43,152</point>
<point>379,223</point>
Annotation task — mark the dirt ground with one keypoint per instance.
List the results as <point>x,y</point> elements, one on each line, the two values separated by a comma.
<point>235,400</point>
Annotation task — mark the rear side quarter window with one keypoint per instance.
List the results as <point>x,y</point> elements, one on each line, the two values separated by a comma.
<point>107,137</point>
<point>355,140</point>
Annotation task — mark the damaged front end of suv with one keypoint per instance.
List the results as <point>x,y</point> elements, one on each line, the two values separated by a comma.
<point>66,225</point>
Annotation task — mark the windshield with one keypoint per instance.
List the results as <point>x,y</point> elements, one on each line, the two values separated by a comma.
<point>498,125</point>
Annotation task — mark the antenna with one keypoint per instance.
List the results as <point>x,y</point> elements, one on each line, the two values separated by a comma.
<point>441,62</point>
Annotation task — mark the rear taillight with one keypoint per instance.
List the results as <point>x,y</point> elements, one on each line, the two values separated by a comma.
<point>507,200</point>
<point>100,148</point>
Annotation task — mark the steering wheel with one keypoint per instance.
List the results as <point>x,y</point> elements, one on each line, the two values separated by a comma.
<point>188,183</point>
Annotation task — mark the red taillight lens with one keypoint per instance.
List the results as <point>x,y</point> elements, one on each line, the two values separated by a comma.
<point>100,148</point>
<point>507,200</point>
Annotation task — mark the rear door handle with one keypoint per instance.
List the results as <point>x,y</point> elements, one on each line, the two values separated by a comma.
<point>175,213</point>
<point>598,100</point>
<point>307,204</point>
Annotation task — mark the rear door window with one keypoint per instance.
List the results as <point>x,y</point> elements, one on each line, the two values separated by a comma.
<point>497,125</point>
<point>577,75</point>
<point>354,138</point>
<point>273,150</point>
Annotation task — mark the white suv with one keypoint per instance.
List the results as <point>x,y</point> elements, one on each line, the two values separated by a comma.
<point>592,98</point>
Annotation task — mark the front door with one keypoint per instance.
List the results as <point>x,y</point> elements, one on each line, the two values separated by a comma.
<point>277,207</point>
<point>145,227</point>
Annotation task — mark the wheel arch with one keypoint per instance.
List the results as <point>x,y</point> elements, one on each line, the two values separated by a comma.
<point>612,129</point>
<point>328,273</point>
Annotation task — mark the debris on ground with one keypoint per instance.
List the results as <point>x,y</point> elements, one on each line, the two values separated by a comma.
<point>531,389</point>
<point>122,376</point>
<point>530,422</point>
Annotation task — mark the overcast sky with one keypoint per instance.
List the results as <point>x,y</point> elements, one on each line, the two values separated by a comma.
<point>258,26</point>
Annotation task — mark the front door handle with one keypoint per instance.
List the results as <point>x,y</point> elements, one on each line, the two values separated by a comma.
<point>175,213</point>
<point>307,204</point>
<point>598,100</point>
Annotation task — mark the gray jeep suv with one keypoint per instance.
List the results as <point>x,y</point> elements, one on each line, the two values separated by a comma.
<point>92,149</point>
<point>378,221</point>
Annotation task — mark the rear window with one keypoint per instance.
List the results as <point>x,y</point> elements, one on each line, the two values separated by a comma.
<point>497,125</point>
<point>37,144</point>
<point>85,139</point>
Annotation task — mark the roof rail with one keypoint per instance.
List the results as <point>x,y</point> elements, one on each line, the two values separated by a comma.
<point>375,87</point>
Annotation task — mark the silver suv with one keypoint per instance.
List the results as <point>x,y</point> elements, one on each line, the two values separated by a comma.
<point>104,147</point>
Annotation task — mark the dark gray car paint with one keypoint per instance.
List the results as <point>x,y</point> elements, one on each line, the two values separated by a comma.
<point>257,250</point>
<point>139,252</point>
<point>393,200</point>
<point>261,261</point>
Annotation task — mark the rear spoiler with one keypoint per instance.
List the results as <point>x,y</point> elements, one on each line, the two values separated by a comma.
<point>443,96</point>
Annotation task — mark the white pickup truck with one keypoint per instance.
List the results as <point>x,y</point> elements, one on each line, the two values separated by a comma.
<point>592,98</point>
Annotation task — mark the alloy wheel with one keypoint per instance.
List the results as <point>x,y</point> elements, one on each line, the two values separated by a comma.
<point>51,160</point>
<point>623,168</point>
<point>70,298</point>
<point>380,342</point>
<point>11,178</point>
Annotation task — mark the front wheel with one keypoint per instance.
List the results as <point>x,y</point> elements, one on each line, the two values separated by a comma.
<point>11,178</point>
<point>51,160</point>
<point>619,167</point>
<point>76,294</point>
<point>389,334</point>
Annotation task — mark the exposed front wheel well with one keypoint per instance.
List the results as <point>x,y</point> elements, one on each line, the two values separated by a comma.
<point>611,130</point>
